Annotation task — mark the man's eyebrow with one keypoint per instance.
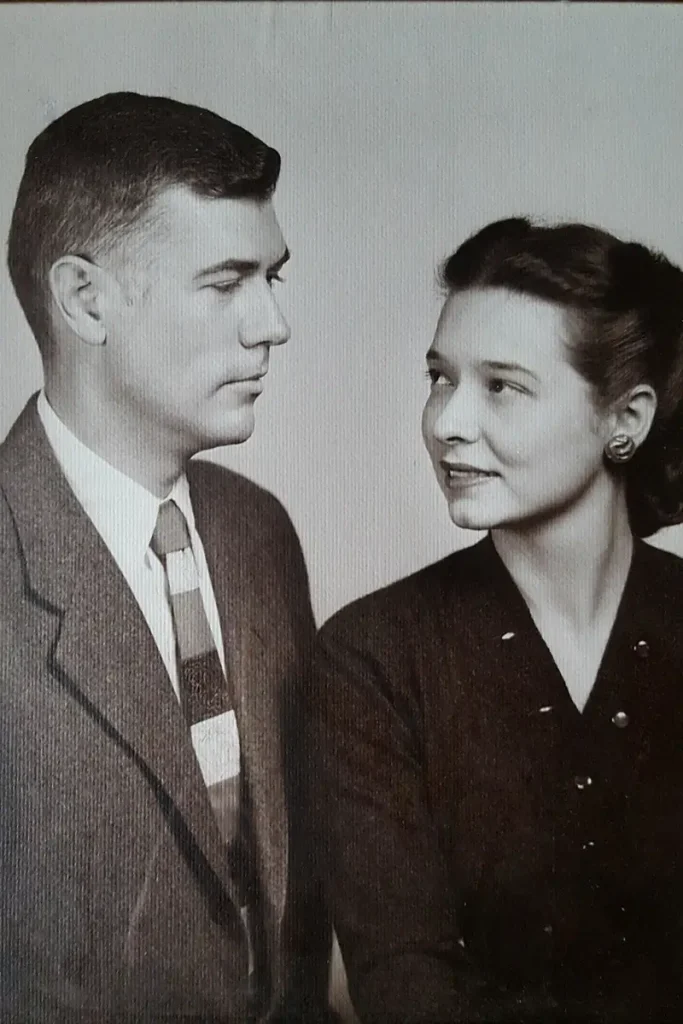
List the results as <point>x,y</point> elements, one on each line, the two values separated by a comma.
<point>241,267</point>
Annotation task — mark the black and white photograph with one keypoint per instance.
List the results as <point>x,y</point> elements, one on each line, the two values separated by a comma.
<point>341,513</point>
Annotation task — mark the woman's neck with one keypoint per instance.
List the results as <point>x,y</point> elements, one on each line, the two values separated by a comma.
<point>573,566</point>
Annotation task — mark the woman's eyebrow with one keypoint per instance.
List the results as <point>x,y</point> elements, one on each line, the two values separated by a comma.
<point>495,364</point>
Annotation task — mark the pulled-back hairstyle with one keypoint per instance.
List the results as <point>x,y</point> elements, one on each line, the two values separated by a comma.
<point>625,311</point>
<point>92,175</point>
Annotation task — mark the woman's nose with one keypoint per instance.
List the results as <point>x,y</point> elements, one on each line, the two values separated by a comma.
<point>457,420</point>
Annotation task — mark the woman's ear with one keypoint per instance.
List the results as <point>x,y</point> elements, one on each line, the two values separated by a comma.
<point>635,413</point>
<point>77,291</point>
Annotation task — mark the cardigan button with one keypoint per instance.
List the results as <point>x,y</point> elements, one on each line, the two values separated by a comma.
<point>642,649</point>
<point>621,719</point>
<point>582,781</point>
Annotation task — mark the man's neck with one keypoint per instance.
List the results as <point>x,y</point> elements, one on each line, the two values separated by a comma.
<point>129,450</point>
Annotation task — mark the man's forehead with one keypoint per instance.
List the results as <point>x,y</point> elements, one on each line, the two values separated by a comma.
<point>245,219</point>
<point>186,233</point>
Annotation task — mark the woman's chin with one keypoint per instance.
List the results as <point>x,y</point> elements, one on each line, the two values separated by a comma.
<point>474,515</point>
<point>474,507</point>
<point>469,520</point>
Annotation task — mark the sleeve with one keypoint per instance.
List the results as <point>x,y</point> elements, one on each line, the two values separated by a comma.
<point>307,932</point>
<point>387,883</point>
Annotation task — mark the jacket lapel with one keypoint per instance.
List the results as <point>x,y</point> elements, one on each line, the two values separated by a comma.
<point>242,596</point>
<point>103,652</point>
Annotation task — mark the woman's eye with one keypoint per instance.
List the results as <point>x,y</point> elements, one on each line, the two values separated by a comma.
<point>498,386</point>
<point>436,377</point>
<point>275,277</point>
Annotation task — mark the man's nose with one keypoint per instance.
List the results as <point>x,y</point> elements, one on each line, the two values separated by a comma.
<point>262,320</point>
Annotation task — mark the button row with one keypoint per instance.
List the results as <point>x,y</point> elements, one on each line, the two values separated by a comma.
<point>641,648</point>
<point>620,718</point>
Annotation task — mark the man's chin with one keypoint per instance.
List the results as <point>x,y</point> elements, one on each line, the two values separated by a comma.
<point>231,431</point>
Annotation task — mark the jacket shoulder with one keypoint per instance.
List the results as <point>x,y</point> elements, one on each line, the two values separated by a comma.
<point>248,519</point>
<point>240,496</point>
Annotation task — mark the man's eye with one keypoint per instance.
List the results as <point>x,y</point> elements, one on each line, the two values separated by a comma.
<point>226,286</point>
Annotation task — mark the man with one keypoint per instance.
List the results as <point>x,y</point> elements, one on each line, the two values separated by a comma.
<point>155,619</point>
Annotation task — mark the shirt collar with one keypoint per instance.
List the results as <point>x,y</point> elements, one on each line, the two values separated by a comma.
<point>122,510</point>
<point>180,493</point>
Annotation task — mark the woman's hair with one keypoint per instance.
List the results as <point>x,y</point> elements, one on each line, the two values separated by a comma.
<point>625,309</point>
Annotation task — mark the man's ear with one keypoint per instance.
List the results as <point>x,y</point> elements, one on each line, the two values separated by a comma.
<point>77,288</point>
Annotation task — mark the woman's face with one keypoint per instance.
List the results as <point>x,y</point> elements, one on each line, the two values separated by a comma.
<point>511,427</point>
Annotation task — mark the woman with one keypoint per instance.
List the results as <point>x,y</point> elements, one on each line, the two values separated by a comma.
<point>499,737</point>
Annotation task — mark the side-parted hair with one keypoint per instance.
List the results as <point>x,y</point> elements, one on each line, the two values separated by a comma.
<point>625,314</point>
<point>92,175</point>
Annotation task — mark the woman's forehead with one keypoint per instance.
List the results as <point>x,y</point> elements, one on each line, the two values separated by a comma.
<point>500,325</point>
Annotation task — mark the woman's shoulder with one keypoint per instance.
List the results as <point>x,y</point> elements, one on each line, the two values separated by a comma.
<point>408,601</point>
<point>467,579</point>
<point>661,556</point>
<point>659,575</point>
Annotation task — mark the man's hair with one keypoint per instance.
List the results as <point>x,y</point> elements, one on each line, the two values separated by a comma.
<point>92,175</point>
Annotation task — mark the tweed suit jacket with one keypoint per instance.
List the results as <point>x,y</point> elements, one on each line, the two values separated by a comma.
<point>115,895</point>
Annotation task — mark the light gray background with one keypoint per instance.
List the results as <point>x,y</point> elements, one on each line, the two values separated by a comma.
<point>402,127</point>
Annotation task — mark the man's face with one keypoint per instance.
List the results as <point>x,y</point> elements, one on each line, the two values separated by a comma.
<point>189,341</point>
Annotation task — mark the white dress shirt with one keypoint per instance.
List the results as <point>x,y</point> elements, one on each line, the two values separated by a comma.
<point>124,513</point>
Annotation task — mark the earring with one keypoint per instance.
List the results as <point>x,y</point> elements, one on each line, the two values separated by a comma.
<point>620,448</point>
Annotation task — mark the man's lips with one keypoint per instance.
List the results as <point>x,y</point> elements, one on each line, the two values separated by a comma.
<point>248,378</point>
<point>257,376</point>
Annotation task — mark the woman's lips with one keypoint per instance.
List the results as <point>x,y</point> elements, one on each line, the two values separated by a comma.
<point>461,474</point>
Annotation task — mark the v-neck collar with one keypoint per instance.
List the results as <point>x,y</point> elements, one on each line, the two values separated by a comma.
<point>502,631</point>
<point>610,657</point>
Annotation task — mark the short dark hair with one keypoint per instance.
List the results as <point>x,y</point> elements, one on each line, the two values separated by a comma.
<point>625,306</point>
<point>92,175</point>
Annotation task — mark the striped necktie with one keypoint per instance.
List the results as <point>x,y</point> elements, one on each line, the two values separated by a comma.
<point>204,692</point>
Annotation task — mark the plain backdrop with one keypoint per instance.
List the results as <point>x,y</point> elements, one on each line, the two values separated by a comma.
<point>402,127</point>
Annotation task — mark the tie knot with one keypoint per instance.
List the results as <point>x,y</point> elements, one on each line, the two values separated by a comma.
<point>171,532</point>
